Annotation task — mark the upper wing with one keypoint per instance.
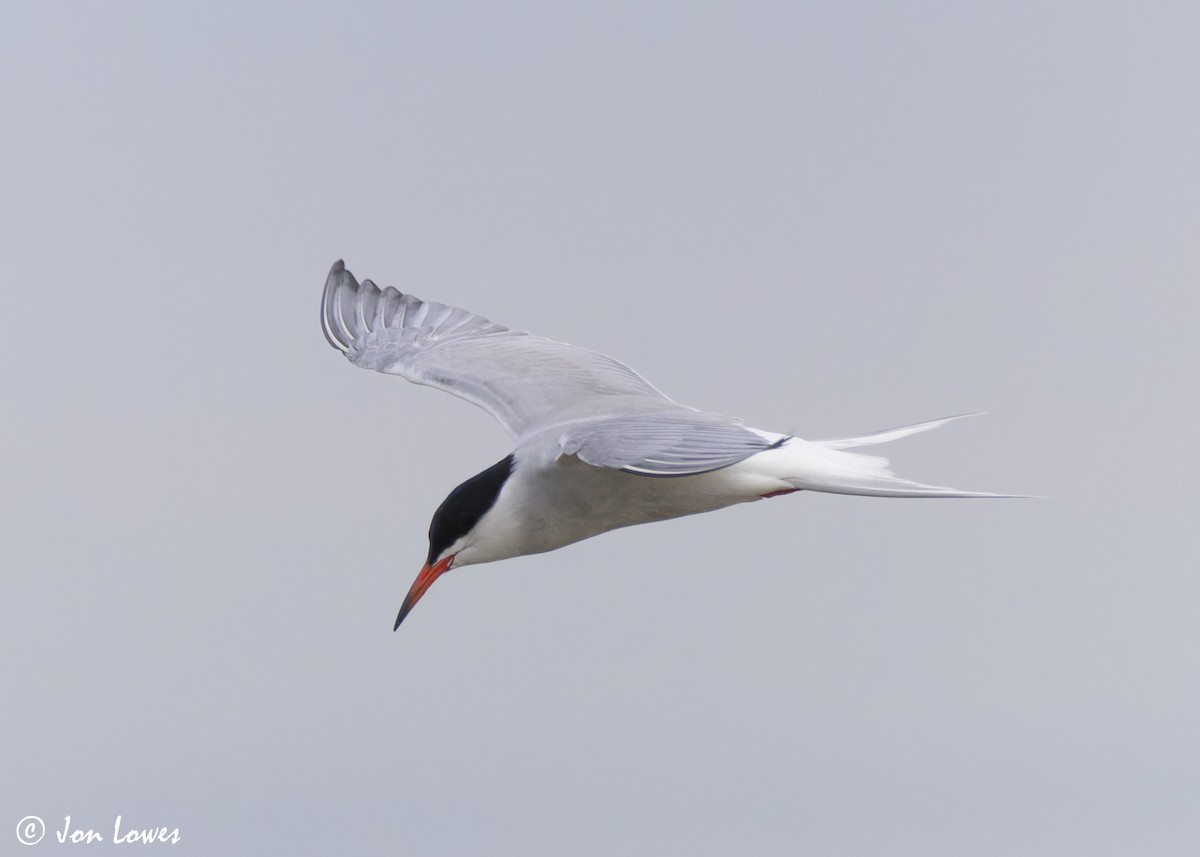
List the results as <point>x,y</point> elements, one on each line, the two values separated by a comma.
<point>668,443</point>
<point>524,381</point>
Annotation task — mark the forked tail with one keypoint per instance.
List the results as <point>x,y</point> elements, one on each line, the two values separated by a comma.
<point>823,465</point>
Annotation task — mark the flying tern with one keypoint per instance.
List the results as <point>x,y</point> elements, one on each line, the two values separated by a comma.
<point>597,446</point>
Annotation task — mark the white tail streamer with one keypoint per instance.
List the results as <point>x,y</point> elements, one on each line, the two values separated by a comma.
<point>822,465</point>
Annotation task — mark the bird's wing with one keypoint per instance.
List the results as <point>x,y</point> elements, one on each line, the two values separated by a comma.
<point>524,381</point>
<point>663,444</point>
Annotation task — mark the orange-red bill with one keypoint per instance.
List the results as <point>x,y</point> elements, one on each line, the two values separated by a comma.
<point>424,580</point>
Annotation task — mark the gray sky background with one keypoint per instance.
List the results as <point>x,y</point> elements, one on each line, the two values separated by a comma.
<point>827,219</point>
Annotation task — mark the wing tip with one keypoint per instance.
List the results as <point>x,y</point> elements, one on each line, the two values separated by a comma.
<point>333,325</point>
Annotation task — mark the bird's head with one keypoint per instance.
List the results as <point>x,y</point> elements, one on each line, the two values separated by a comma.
<point>454,533</point>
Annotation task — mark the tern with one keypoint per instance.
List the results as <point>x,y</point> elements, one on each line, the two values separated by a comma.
<point>597,446</point>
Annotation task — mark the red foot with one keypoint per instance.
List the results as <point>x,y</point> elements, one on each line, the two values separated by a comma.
<point>780,493</point>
